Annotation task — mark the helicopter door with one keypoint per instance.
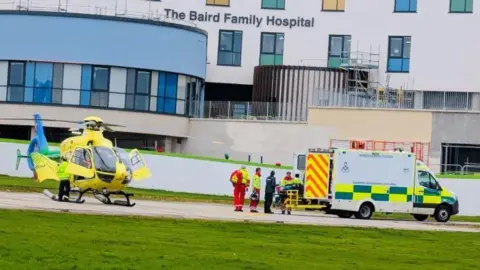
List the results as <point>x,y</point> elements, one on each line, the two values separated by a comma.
<point>80,163</point>
<point>139,167</point>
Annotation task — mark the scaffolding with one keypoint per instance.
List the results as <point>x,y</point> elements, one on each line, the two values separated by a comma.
<point>420,149</point>
<point>363,71</point>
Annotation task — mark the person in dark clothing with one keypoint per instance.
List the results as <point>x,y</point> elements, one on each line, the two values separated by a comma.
<point>269,190</point>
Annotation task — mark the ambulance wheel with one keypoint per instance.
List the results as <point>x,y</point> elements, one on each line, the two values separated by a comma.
<point>420,217</point>
<point>365,211</point>
<point>442,213</point>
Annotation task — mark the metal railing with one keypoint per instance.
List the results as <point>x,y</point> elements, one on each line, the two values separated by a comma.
<point>466,169</point>
<point>113,8</point>
<point>238,110</point>
<point>407,99</point>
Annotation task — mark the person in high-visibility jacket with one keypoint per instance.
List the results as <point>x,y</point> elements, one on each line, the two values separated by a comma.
<point>287,183</point>
<point>240,181</point>
<point>256,185</point>
<point>64,177</point>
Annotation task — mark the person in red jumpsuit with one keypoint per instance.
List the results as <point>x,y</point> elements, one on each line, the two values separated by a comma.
<point>240,181</point>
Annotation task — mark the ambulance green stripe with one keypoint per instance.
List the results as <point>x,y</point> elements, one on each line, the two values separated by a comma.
<point>398,190</point>
<point>431,192</point>
<point>362,189</point>
<point>343,195</point>
<point>380,197</point>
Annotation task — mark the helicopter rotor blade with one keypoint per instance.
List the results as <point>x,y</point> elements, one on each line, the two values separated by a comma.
<point>107,128</point>
<point>110,125</point>
<point>43,120</point>
<point>99,124</point>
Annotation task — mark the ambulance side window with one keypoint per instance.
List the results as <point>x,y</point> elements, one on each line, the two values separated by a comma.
<point>425,179</point>
<point>434,184</point>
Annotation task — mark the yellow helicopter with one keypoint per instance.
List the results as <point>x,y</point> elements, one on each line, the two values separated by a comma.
<point>94,164</point>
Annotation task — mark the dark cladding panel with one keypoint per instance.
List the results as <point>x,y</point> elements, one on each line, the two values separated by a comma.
<point>294,88</point>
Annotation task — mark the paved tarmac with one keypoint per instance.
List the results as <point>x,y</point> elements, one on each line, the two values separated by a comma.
<point>35,201</point>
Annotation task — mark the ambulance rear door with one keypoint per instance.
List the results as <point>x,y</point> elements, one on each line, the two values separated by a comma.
<point>317,175</point>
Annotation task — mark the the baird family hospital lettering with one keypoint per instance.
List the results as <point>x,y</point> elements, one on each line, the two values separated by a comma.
<point>196,16</point>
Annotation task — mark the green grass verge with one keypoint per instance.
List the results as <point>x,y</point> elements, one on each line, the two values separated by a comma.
<point>41,240</point>
<point>18,184</point>
<point>459,176</point>
<point>178,155</point>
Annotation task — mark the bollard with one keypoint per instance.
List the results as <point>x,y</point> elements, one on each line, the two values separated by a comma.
<point>248,158</point>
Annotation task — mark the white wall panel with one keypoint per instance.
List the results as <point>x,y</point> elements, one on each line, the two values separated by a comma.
<point>3,93</point>
<point>154,88</point>
<point>3,80</point>
<point>181,86</point>
<point>72,76</point>
<point>116,100</point>
<point>3,72</point>
<point>153,104</point>
<point>118,80</point>
<point>180,106</point>
<point>154,91</point>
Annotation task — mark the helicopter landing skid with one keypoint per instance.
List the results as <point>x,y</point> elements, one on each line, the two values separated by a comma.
<point>54,197</point>
<point>104,197</point>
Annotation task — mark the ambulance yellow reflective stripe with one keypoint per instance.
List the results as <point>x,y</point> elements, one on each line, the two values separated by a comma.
<point>317,173</point>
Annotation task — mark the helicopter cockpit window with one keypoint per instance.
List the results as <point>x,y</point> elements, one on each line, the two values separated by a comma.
<point>82,157</point>
<point>105,159</point>
<point>124,157</point>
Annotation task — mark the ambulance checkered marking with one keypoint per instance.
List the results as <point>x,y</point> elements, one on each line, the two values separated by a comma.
<point>430,196</point>
<point>373,192</point>
<point>317,173</point>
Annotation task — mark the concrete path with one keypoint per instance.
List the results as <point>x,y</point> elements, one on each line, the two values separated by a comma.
<point>34,201</point>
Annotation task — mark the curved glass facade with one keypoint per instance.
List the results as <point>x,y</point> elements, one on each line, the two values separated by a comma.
<point>100,87</point>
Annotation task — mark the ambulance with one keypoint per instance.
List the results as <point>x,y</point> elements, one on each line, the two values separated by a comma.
<point>359,182</point>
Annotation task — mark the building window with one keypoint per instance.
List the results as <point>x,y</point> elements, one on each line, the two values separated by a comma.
<point>333,5</point>
<point>138,90</point>
<point>167,92</point>
<point>461,6</point>
<point>273,4</point>
<point>42,82</point>
<point>16,81</point>
<point>229,48</point>
<point>399,54</point>
<point>405,6</point>
<point>100,86</point>
<point>271,52</point>
<point>338,50</point>
<point>225,3</point>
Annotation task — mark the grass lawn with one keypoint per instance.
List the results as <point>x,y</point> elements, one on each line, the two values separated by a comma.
<point>40,240</point>
<point>19,184</point>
